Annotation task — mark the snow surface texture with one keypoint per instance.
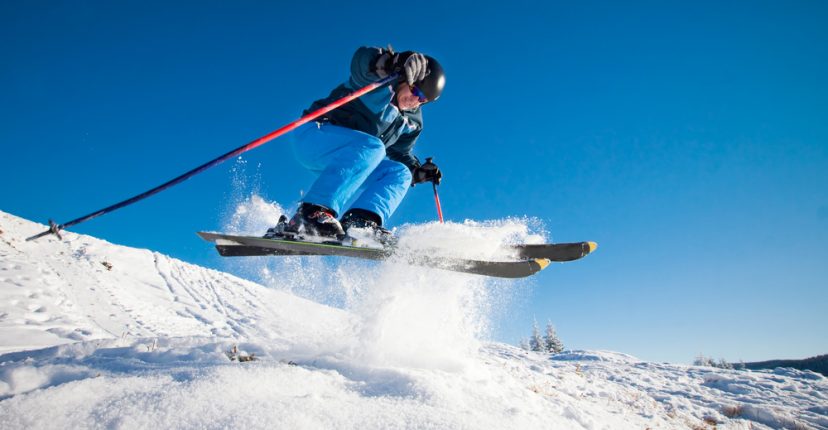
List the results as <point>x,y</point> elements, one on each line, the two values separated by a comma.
<point>96,335</point>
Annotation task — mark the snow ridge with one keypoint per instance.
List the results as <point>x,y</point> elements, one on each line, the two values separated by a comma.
<point>98,335</point>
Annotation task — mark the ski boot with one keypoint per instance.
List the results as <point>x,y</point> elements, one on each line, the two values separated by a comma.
<point>310,220</point>
<point>278,231</point>
<point>360,223</point>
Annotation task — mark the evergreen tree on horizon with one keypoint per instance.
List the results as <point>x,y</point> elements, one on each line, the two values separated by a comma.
<point>551,341</point>
<point>536,342</point>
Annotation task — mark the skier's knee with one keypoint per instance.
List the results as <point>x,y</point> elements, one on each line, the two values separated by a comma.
<point>376,145</point>
<point>401,172</point>
<point>374,150</point>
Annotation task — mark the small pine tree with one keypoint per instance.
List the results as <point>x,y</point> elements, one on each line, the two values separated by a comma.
<point>701,360</point>
<point>723,364</point>
<point>553,344</point>
<point>536,342</point>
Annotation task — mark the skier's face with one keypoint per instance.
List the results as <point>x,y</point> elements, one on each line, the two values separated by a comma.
<point>406,100</point>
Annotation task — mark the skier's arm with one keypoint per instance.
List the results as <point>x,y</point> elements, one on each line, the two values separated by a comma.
<point>363,66</point>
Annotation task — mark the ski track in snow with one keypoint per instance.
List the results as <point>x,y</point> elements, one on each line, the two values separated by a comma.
<point>144,345</point>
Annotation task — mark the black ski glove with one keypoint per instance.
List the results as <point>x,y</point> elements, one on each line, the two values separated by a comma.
<point>428,172</point>
<point>412,66</point>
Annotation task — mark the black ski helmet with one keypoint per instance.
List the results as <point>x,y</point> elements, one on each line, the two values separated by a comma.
<point>434,81</point>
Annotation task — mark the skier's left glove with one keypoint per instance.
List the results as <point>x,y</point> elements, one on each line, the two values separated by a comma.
<point>428,172</point>
<point>412,66</point>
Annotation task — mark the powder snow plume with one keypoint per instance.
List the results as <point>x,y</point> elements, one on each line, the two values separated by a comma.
<point>407,316</point>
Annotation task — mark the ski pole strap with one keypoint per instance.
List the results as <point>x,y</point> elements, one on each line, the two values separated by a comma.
<point>55,228</point>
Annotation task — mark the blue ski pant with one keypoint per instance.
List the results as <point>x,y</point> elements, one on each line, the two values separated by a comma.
<point>346,160</point>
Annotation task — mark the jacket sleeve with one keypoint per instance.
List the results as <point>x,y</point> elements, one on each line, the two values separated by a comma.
<point>363,72</point>
<point>363,66</point>
<point>401,150</point>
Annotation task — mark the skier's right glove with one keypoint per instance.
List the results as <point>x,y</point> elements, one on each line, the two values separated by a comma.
<point>428,172</point>
<point>412,66</point>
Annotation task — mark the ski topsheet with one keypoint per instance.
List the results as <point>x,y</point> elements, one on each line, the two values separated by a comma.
<point>533,258</point>
<point>556,251</point>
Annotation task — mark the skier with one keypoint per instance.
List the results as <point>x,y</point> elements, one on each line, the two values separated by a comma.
<point>366,144</point>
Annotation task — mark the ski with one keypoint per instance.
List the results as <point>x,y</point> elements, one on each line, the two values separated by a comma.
<point>556,252</point>
<point>534,258</point>
<point>246,246</point>
<point>559,252</point>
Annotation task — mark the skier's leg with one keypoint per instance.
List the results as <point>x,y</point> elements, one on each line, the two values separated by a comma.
<point>384,189</point>
<point>342,157</point>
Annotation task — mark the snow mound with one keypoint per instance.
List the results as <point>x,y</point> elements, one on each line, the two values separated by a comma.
<point>99,335</point>
<point>82,289</point>
<point>608,356</point>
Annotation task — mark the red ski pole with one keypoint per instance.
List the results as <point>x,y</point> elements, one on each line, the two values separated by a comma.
<point>437,201</point>
<point>55,228</point>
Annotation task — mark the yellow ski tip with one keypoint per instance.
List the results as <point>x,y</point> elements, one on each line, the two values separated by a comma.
<point>542,262</point>
<point>592,246</point>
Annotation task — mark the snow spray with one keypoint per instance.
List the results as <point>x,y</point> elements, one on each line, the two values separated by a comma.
<point>431,318</point>
<point>402,315</point>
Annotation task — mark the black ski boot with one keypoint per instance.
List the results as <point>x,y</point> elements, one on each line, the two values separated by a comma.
<point>367,221</point>
<point>314,220</point>
<point>277,232</point>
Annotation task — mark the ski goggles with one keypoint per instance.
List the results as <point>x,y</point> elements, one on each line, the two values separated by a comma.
<point>417,93</point>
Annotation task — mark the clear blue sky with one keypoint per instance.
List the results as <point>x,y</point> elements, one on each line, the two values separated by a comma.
<point>690,141</point>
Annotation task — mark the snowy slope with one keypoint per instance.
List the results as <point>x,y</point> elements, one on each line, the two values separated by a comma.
<point>98,335</point>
